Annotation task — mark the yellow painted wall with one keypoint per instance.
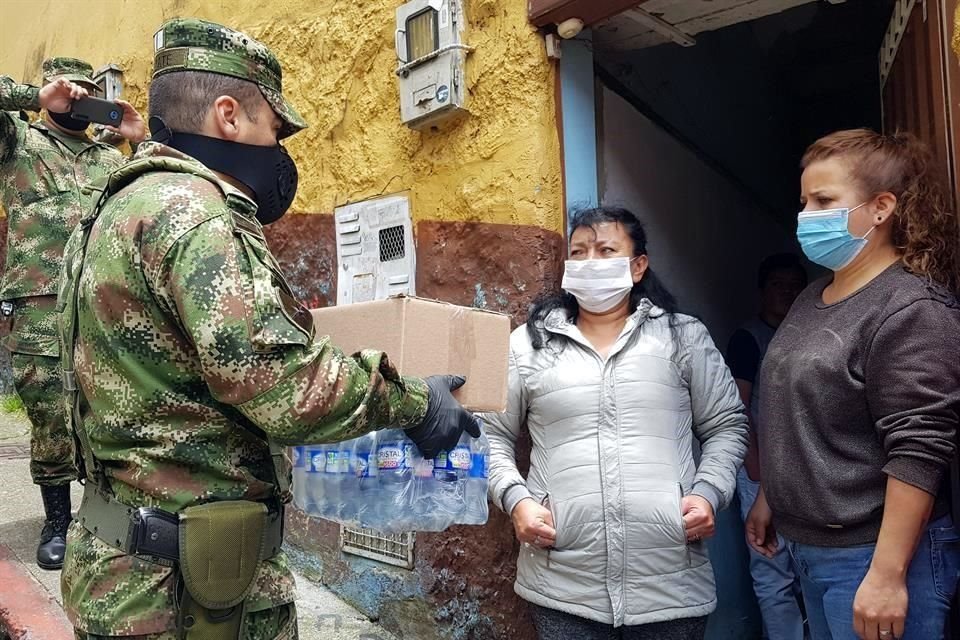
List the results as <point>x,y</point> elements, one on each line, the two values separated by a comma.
<point>500,165</point>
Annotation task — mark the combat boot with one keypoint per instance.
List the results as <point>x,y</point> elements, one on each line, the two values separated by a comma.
<point>53,538</point>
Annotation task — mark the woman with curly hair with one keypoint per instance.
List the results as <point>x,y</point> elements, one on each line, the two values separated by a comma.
<point>860,396</point>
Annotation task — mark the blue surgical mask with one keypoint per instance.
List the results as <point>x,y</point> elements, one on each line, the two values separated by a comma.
<point>825,238</point>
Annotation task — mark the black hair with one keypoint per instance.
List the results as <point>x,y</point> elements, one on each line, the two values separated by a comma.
<point>183,98</point>
<point>649,286</point>
<point>780,262</point>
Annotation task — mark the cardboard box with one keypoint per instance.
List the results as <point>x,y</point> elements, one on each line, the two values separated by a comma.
<point>426,337</point>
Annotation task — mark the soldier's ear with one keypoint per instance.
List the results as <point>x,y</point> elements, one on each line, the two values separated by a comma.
<point>224,118</point>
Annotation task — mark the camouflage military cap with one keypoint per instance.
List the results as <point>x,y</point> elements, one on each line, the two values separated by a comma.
<point>190,44</point>
<point>72,69</point>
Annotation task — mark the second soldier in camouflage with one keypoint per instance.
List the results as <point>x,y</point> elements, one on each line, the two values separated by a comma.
<point>44,167</point>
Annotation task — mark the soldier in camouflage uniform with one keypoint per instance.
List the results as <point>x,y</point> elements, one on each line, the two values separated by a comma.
<point>43,167</point>
<point>189,363</point>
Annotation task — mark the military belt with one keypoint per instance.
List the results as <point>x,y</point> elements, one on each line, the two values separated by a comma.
<point>148,532</point>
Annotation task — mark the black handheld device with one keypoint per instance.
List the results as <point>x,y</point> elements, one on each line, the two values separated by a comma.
<point>97,110</point>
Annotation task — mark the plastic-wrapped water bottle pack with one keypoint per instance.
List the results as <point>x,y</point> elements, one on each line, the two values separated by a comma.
<point>381,481</point>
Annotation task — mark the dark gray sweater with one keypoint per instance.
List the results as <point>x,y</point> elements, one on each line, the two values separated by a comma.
<point>854,392</point>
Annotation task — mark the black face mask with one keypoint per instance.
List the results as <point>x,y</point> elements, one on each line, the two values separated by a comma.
<point>268,171</point>
<point>68,122</point>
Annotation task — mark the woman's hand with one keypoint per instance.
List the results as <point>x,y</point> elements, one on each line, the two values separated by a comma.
<point>880,606</point>
<point>761,535</point>
<point>533,524</point>
<point>698,519</point>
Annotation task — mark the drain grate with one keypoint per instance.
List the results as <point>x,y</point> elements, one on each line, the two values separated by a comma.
<point>390,548</point>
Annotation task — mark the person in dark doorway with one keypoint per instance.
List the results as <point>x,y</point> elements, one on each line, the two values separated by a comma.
<point>614,384</point>
<point>860,396</point>
<point>781,278</point>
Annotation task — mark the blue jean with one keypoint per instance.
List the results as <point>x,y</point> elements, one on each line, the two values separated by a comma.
<point>774,580</point>
<point>830,577</point>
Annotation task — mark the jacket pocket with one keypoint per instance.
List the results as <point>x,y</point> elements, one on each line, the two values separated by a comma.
<point>566,530</point>
<point>683,530</point>
<point>678,512</point>
<point>656,514</point>
<point>41,176</point>
<point>579,523</point>
<point>32,344</point>
<point>276,318</point>
<point>655,544</point>
<point>945,559</point>
<point>547,503</point>
<point>33,329</point>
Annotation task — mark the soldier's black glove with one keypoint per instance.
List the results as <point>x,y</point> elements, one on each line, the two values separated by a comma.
<point>445,421</point>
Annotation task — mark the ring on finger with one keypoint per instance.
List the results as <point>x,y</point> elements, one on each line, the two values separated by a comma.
<point>536,541</point>
<point>886,633</point>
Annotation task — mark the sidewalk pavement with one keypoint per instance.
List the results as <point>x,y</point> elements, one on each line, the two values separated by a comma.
<point>30,597</point>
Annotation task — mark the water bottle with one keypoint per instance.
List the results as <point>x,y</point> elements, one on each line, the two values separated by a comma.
<point>394,474</point>
<point>443,506</point>
<point>459,462</point>
<point>364,464</point>
<point>332,476</point>
<point>299,455</point>
<point>476,491</point>
<point>348,504</point>
<point>422,498</point>
<point>363,478</point>
<point>316,462</point>
<point>460,459</point>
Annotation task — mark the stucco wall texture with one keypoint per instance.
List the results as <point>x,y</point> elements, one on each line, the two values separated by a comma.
<point>502,165</point>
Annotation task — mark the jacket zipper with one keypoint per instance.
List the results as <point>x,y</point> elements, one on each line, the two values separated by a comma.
<point>683,530</point>
<point>546,502</point>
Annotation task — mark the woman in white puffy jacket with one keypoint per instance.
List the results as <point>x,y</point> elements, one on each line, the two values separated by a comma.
<point>614,385</point>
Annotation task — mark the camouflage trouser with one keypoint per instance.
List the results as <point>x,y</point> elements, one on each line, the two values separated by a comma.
<point>273,624</point>
<point>36,377</point>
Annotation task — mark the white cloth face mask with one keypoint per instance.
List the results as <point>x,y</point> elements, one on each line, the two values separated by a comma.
<point>599,285</point>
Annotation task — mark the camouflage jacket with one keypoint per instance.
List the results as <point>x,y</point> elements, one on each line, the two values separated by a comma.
<point>189,351</point>
<point>42,172</point>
